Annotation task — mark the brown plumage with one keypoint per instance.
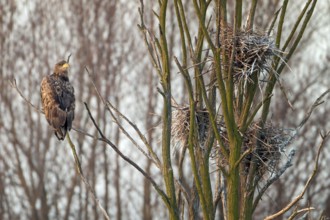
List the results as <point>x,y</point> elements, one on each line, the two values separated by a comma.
<point>58,101</point>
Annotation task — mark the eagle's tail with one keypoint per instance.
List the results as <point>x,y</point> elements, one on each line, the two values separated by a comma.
<point>59,121</point>
<point>60,133</point>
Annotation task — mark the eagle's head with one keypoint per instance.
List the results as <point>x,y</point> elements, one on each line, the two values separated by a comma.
<point>61,68</point>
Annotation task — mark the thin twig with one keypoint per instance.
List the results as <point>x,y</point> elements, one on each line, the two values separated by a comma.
<point>318,102</point>
<point>14,85</point>
<point>80,172</point>
<point>247,152</point>
<point>153,157</point>
<point>85,133</point>
<point>285,94</point>
<point>115,148</point>
<point>297,212</point>
<point>299,197</point>
<point>274,178</point>
<point>183,189</point>
<point>68,59</point>
<point>74,152</point>
<point>270,28</point>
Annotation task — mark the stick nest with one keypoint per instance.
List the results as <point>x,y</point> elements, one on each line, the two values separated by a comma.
<point>253,52</point>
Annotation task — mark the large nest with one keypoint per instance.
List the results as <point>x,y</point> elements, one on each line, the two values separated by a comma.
<point>253,52</point>
<point>264,144</point>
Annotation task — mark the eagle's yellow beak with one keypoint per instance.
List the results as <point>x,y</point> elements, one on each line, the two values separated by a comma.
<point>65,66</point>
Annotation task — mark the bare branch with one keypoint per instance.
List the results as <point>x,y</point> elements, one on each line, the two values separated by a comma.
<point>68,59</point>
<point>297,212</point>
<point>299,197</point>
<point>154,157</point>
<point>318,102</point>
<point>115,148</point>
<point>79,170</point>
<point>110,107</point>
<point>14,85</point>
<point>274,178</point>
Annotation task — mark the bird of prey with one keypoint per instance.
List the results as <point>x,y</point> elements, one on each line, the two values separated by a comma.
<point>58,100</point>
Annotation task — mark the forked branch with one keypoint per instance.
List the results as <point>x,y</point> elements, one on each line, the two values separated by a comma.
<point>128,160</point>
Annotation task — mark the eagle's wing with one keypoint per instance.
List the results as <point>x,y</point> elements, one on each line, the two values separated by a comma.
<point>67,103</point>
<point>55,116</point>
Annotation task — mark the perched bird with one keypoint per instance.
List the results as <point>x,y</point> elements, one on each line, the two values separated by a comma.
<point>58,101</point>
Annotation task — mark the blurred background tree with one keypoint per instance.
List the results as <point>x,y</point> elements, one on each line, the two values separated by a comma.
<point>37,175</point>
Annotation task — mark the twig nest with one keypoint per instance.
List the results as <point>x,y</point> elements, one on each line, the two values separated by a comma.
<point>253,52</point>
<point>266,145</point>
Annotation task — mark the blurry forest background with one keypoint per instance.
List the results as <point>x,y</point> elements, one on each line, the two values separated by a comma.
<point>37,174</point>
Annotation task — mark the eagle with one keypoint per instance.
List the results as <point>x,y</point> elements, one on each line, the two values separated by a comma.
<point>58,100</point>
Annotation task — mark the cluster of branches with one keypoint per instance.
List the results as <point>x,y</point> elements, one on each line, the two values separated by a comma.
<point>239,102</point>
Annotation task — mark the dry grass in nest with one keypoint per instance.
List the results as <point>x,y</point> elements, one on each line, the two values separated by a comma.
<point>271,141</point>
<point>253,52</point>
<point>266,145</point>
<point>181,125</point>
